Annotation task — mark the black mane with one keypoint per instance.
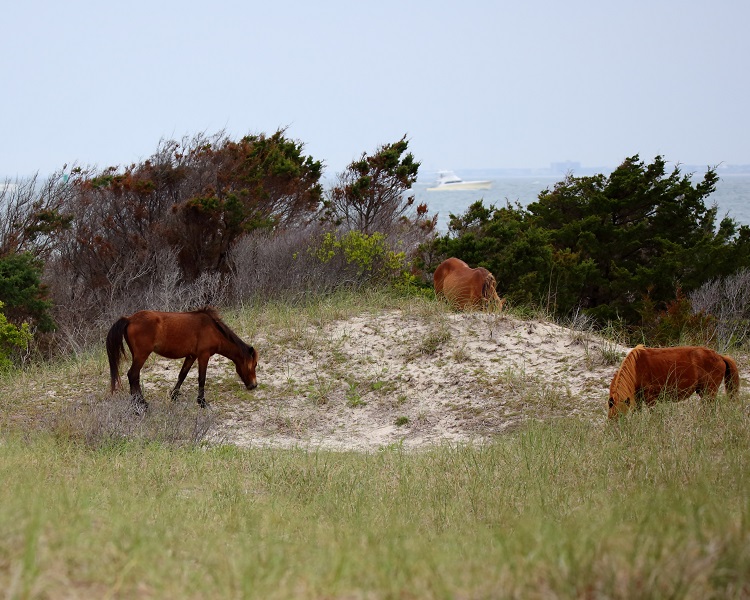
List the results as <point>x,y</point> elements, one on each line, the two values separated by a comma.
<point>226,331</point>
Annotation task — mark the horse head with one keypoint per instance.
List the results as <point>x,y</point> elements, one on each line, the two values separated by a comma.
<point>622,390</point>
<point>246,368</point>
<point>619,405</point>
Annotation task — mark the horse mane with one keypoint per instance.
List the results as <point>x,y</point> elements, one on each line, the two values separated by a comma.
<point>624,382</point>
<point>225,330</point>
<point>489,285</point>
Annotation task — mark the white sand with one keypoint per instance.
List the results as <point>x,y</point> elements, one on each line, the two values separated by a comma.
<point>391,378</point>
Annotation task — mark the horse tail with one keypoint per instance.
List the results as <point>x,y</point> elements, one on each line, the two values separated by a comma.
<point>116,350</point>
<point>731,377</point>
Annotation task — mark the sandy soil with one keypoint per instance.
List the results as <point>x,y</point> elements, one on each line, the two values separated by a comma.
<point>394,378</point>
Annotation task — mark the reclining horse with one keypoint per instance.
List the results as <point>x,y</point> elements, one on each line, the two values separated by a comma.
<point>647,374</point>
<point>464,287</point>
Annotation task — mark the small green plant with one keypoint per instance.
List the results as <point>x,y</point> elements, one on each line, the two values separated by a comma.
<point>319,391</point>
<point>610,353</point>
<point>383,387</point>
<point>353,397</point>
<point>461,354</point>
<point>12,339</point>
<point>401,421</point>
<point>434,339</point>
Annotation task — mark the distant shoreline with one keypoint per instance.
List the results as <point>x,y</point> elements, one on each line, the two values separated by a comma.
<point>578,171</point>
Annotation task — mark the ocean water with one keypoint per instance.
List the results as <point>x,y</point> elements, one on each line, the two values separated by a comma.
<point>732,196</point>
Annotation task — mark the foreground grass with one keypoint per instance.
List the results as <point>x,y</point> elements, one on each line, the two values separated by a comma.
<point>658,506</point>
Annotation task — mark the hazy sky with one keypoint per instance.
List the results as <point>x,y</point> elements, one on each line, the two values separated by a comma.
<point>473,84</point>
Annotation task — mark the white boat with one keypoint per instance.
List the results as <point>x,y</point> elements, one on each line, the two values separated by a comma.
<point>448,180</point>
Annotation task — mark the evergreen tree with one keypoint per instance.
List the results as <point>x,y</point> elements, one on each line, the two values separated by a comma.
<point>22,293</point>
<point>611,245</point>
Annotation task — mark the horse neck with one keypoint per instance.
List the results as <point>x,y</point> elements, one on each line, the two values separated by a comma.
<point>626,377</point>
<point>228,349</point>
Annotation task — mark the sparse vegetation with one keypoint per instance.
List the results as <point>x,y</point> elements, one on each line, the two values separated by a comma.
<point>438,335</point>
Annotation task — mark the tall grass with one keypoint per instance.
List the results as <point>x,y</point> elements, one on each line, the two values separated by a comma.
<point>99,503</point>
<point>657,506</point>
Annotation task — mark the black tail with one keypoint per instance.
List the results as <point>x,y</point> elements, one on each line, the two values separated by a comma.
<point>731,377</point>
<point>116,349</point>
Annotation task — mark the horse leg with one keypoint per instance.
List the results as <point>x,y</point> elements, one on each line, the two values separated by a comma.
<point>134,379</point>
<point>186,366</point>
<point>202,366</point>
<point>708,392</point>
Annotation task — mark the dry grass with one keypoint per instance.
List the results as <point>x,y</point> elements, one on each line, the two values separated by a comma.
<point>339,371</point>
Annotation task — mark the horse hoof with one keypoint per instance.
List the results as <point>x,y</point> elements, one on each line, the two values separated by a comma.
<point>140,408</point>
<point>203,404</point>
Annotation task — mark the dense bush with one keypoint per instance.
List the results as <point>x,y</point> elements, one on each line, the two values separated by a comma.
<point>32,215</point>
<point>314,260</point>
<point>214,220</point>
<point>22,292</point>
<point>31,222</point>
<point>617,247</point>
<point>193,198</point>
<point>370,195</point>
<point>204,220</point>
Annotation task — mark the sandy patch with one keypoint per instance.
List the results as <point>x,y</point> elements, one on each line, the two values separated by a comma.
<point>395,378</point>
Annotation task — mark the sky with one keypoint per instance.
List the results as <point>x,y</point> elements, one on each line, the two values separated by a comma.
<point>472,85</point>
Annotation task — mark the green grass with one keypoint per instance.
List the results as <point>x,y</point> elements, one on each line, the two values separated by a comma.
<point>99,503</point>
<point>657,506</point>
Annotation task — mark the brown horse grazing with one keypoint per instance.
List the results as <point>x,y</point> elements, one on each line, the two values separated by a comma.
<point>465,287</point>
<point>648,373</point>
<point>190,335</point>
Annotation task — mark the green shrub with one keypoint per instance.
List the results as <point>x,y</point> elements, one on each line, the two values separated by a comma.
<point>370,254</point>
<point>615,246</point>
<point>12,339</point>
<point>22,292</point>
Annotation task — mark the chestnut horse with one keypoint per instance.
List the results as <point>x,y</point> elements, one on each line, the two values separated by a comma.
<point>465,287</point>
<point>648,373</point>
<point>190,335</point>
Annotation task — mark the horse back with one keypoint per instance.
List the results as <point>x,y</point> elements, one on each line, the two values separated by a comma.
<point>173,334</point>
<point>447,267</point>
<point>683,369</point>
<point>463,286</point>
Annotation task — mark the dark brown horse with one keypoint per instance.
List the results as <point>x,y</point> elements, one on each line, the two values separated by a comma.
<point>465,287</point>
<point>190,335</point>
<point>648,373</point>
